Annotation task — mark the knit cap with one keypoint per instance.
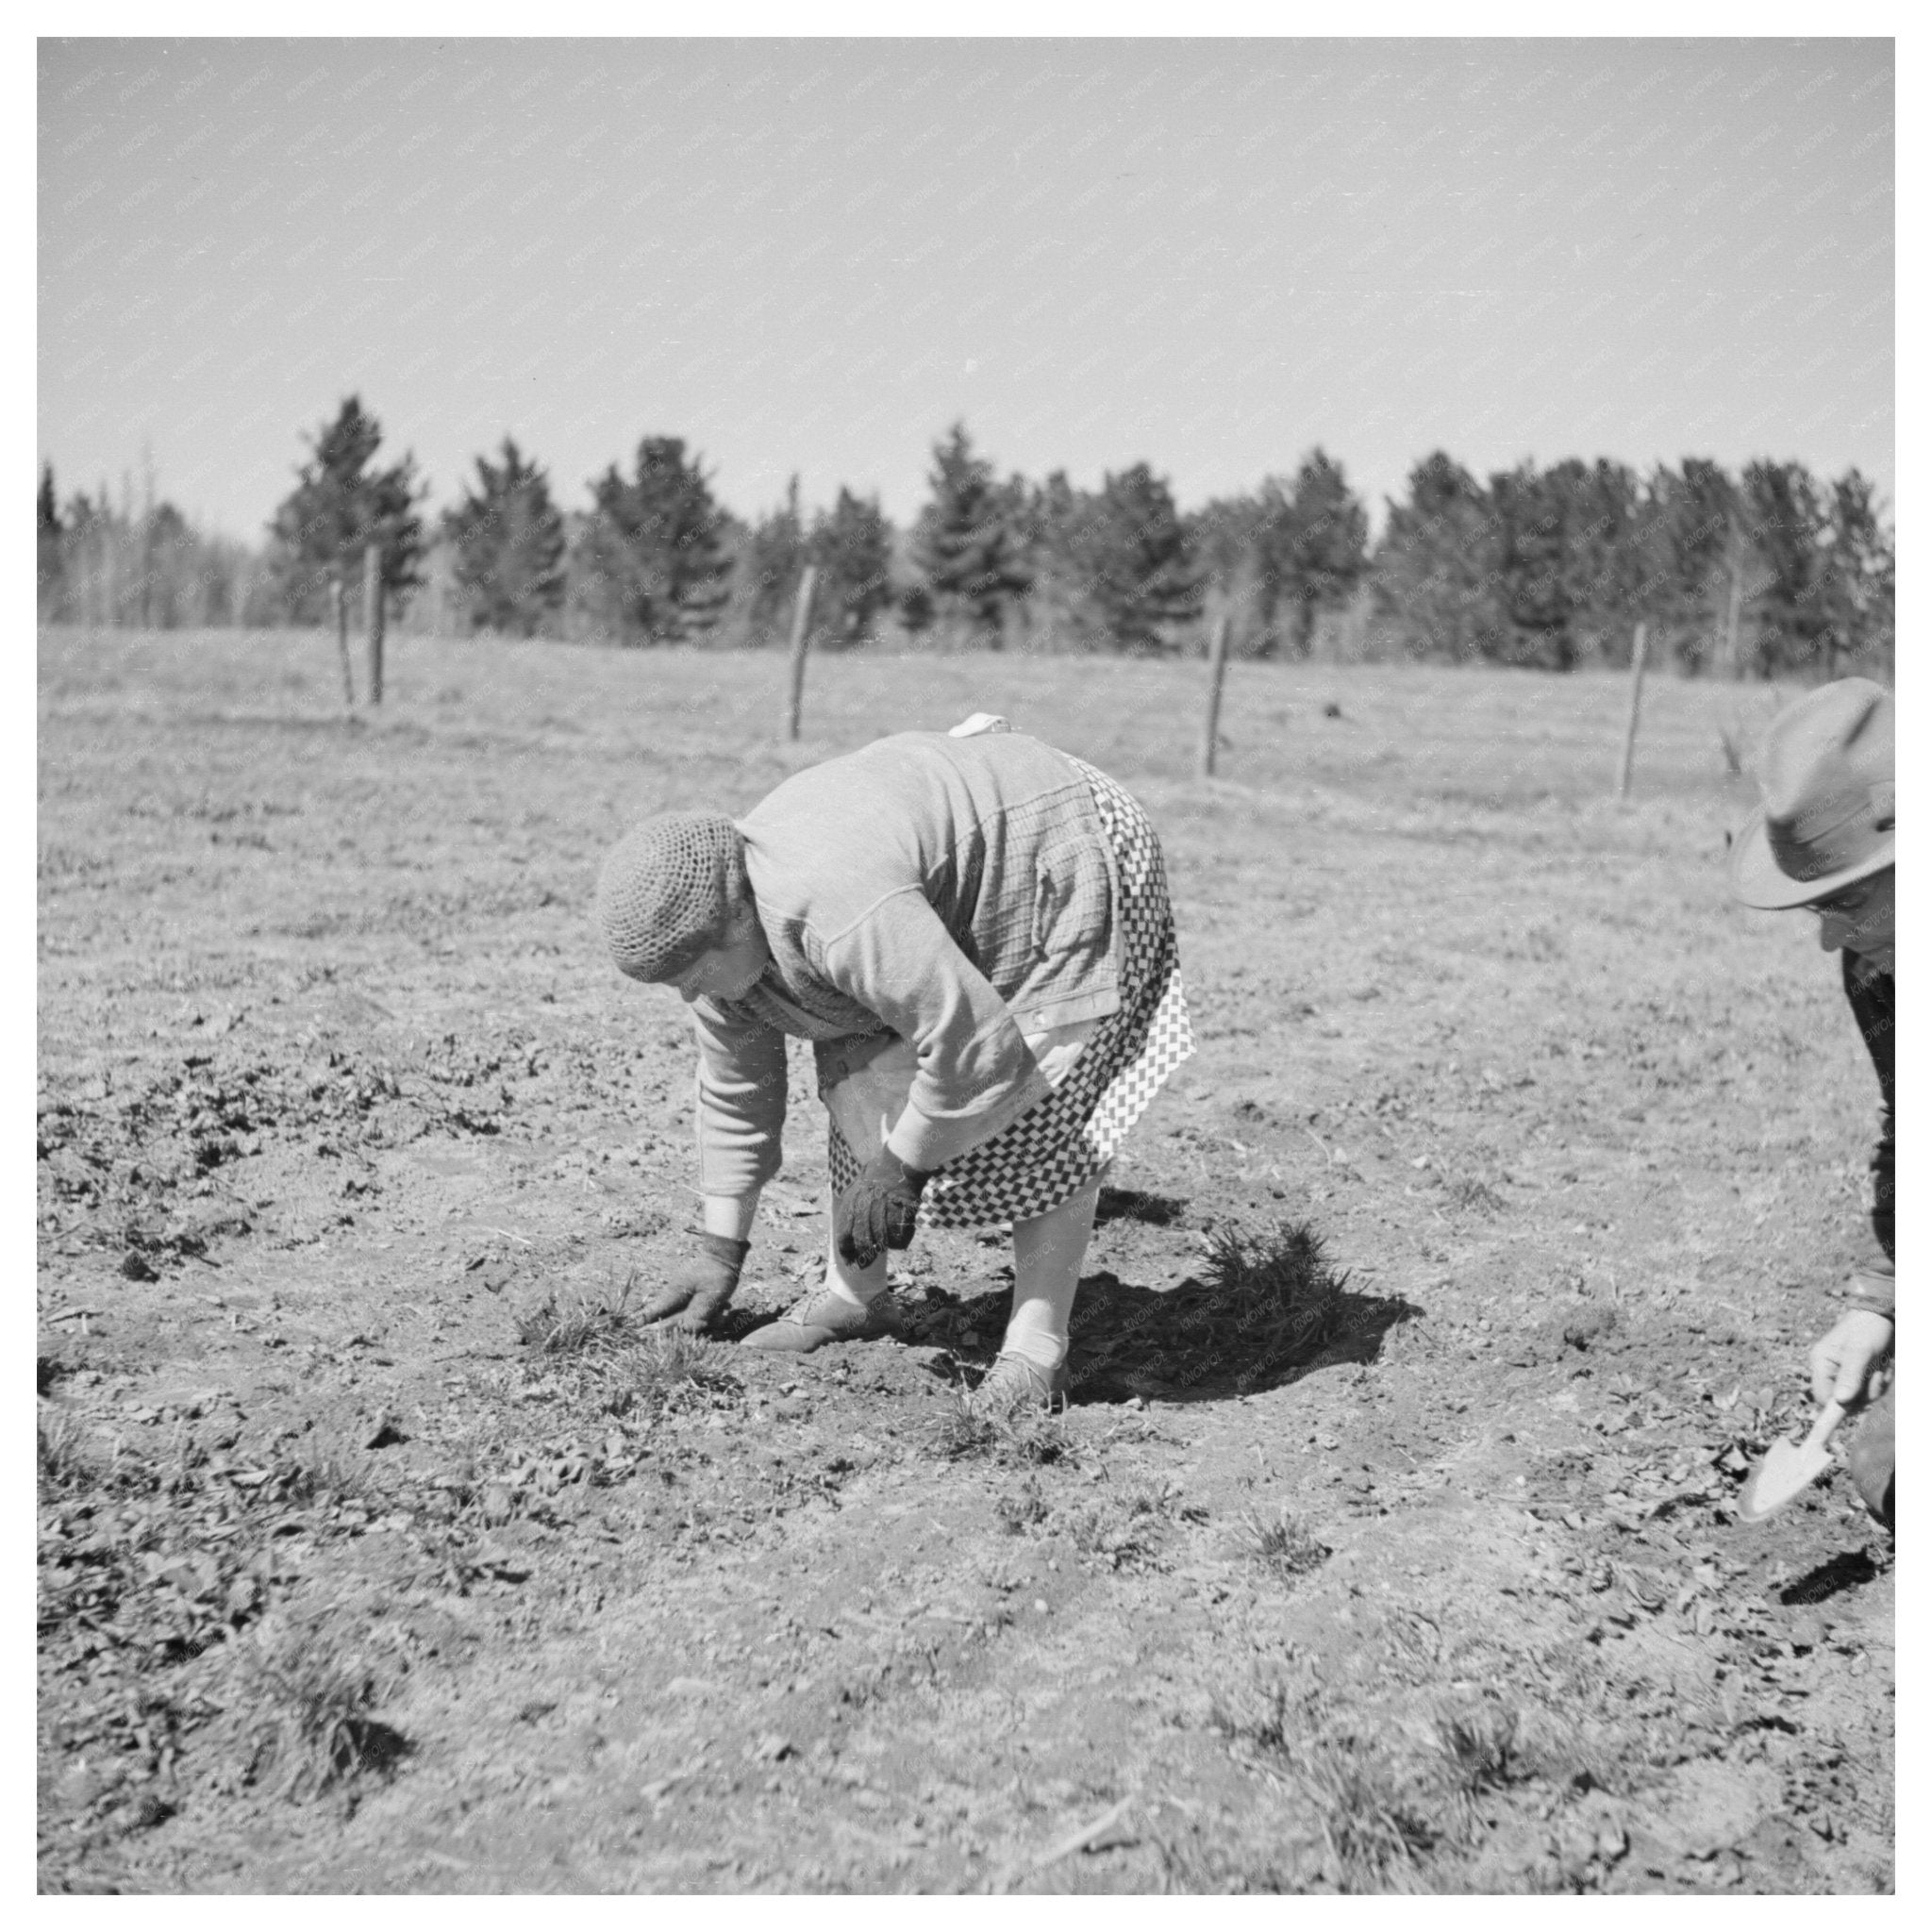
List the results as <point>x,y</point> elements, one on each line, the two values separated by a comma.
<point>664,896</point>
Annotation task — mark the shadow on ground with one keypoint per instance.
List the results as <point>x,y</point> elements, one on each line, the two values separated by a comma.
<point>1196,1343</point>
<point>1846,1571</point>
<point>1132,1203</point>
<point>1192,1343</point>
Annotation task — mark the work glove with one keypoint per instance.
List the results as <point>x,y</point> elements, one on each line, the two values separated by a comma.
<point>878,1210</point>
<point>697,1293</point>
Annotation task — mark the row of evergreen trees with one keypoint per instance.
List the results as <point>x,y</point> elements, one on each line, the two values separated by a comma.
<point>1772,571</point>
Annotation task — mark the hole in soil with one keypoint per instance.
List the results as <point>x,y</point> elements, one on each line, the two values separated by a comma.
<point>1130,1204</point>
<point>1845,1571</point>
<point>368,1744</point>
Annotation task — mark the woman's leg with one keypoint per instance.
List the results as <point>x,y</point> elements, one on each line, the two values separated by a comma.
<point>1048,1249</point>
<point>859,1285</point>
<point>865,1105</point>
<point>1047,1254</point>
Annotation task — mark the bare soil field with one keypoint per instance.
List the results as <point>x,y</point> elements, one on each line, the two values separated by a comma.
<point>381,1552</point>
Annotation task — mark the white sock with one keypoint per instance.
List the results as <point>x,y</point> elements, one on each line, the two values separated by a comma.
<point>861,1287</point>
<point>1047,1254</point>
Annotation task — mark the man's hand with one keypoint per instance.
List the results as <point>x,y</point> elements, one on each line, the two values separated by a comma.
<point>878,1210</point>
<point>697,1293</point>
<point>1852,1363</point>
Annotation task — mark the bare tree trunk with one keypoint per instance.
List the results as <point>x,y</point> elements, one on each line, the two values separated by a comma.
<point>800,635</point>
<point>372,617</point>
<point>342,603</point>
<point>1217,672</point>
<point>1637,646</point>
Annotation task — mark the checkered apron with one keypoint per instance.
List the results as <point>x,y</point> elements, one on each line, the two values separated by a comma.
<point>1063,1142</point>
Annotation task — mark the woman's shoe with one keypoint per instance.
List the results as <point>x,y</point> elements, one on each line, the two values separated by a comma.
<point>818,1319</point>
<point>1016,1382</point>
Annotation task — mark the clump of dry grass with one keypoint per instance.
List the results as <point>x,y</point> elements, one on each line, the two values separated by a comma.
<point>310,1702</point>
<point>596,1352</point>
<point>1022,1509</point>
<point>1019,1436</point>
<point>1483,1748</point>
<point>1372,1823</point>
<point>1282,1545</point>
<point>665,1363</point>
<point>1475,1196</point>
<point>322,1473</point>
<point>1365,1808</point>
<point>65,1459</point>
<point>1122,1532</point>
<point>575,1325</point>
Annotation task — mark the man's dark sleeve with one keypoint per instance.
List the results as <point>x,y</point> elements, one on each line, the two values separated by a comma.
<point>1873,995</point>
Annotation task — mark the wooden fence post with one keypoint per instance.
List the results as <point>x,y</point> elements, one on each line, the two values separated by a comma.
<point>1216,670</point>
<point>372,616</point>
<point>801,633</point>
<point>1637,644</point>
<point>341,594</point>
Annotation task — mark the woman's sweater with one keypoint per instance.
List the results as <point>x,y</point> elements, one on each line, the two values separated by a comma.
<point>940,890</point>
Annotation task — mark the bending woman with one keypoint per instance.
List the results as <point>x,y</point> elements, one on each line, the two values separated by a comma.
<point>974,931</point>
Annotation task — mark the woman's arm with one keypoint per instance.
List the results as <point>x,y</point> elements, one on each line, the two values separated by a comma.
<point>731,1215</point>
<point>975,1073</point>
<point>739,1115</point>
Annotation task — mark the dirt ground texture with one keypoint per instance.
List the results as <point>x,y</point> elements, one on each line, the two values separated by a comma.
<point>379,1552</point>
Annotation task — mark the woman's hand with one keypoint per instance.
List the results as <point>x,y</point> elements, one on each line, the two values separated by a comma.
<point>878,1210</point>
<point>1851,1363</point>
<point>698,1293</point>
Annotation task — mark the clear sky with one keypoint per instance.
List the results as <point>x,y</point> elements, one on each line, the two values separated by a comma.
<point>813,256</point>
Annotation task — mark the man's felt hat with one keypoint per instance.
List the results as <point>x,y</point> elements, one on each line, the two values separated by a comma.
<point>1826,776</point>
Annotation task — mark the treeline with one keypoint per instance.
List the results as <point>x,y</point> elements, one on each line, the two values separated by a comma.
<point>1771,572</point>
<point>143,566</point>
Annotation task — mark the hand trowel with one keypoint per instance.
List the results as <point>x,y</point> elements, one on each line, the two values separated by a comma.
<point>1787,1469</point>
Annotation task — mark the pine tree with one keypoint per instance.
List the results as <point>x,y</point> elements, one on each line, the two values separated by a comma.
<point>1860,579</point>
<point>340,504</point>
<point>765,569</point>
<point>1133,564</point>
<point>50,557</point>
<point>1605,555</point>
<point>649,566</point>
<point>1432,573</point>
<point>88,569</point>
<point>170,555</point>
<point>1694,556</point>
<point>1049,528</point>
<point>965,544</point>
<point>1789,525</point>
<point>507,542</point>
<point>852,546</point>
<point>1314,539</point>
<point>1226,539</point>
<point>1534,566</point>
